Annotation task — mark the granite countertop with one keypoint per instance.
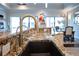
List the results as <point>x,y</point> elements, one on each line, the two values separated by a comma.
<point>40,36</point>
<point>6,34</point>
<point>57,39</point>
<point>68,51</point>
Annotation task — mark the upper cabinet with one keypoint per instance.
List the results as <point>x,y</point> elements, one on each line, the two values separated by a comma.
<point>2,19</point>
<point>3,11</point>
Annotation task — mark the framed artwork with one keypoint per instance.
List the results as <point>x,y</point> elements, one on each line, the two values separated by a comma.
<point>76,20</point>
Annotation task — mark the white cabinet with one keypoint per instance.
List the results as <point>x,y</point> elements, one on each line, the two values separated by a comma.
<point>4,49</point>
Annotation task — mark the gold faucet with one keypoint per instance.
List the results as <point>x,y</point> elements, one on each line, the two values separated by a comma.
<point>21,25</point>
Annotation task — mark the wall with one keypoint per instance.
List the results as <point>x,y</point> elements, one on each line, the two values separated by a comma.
<point>72,23</point>
<point>3,12</point>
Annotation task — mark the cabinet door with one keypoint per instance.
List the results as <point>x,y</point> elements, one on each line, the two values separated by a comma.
<point>0,50</point>
<point>6,49</point>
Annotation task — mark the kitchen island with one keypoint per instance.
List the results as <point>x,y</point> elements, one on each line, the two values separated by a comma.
<point>57,40</point>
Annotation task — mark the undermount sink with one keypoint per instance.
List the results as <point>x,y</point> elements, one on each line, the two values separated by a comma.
<point>41,48</point>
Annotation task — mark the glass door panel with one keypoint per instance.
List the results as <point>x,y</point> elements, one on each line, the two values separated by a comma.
<point>32,23</point>
<point>59,24</point>
<point>14,21</point>
<point>52,25</point>
<point>47,21</point>
<point>25,23</point>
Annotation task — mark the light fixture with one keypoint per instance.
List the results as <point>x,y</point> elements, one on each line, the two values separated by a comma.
<point>46,5</point>
<point>34,3</point>
<point>77,12</point>
<point>22,6</point>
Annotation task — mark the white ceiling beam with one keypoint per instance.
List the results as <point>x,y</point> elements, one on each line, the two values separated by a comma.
<point>71,8</point>
<point>4,4</point>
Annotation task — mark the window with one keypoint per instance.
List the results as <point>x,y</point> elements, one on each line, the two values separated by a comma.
<point>77,20</point>
<point>26,23</point>
<point>14,21</point>
<point>59,24</point>
<point>47,21</point>
<point>52,25</point>
<point>32,23</point>
<point>59,21</point>
<point>51,22</point>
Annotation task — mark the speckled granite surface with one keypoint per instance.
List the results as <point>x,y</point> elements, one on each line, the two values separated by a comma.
<point>68,51</point>
<point>58,40</point>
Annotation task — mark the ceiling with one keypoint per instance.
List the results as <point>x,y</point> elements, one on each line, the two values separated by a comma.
<point>53,6</point>
<point>36,6</point>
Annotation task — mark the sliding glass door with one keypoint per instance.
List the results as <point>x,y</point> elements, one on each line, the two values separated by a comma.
<point>57,24</point>
<point>28,23</point>
<point>14,23</point>
<point>52,25</point>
